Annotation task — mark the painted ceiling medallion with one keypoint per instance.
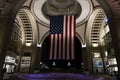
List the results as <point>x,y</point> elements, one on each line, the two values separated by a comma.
<point>44,8</point>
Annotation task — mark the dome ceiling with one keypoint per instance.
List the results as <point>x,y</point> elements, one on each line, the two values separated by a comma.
<point>56,7</point>
<point>42,9</point>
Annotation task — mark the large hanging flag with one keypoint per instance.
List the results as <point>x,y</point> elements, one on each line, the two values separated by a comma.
<point>62,37</point>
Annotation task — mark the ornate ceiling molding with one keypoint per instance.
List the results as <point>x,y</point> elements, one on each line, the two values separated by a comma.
<point>53,7</point>
<point>42,8</point>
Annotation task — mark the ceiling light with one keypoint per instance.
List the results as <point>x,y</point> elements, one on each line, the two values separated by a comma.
<point>95,44</point>
<point>28,44</point>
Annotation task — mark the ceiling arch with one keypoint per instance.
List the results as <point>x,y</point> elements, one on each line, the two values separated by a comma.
<point>47,33</point>
<point>27,21</point>
<point>94,26</point>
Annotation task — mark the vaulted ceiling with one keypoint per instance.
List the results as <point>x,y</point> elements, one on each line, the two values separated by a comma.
<point>88,13</point>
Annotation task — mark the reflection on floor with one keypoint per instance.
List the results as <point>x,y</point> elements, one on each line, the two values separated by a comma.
<point>55,76</point>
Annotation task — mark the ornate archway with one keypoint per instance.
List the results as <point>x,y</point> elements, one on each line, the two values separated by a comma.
<point>109,4</point>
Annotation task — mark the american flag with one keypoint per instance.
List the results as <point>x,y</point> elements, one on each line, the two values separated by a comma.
<point>62,37</point>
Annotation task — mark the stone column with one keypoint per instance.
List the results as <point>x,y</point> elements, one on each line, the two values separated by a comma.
<point>38,56</point>
<point>111,8</point>
<point>114,24</point>
<point>4,39</point>
<point>89,60</point>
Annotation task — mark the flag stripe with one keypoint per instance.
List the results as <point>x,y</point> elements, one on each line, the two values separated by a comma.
<point>72,39</point>
<point>60,44</point>
<point>55,48</point>
<point>53,38</point>
<point>63,56</point>
<point>68,37</point>
<point>74,27</point>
